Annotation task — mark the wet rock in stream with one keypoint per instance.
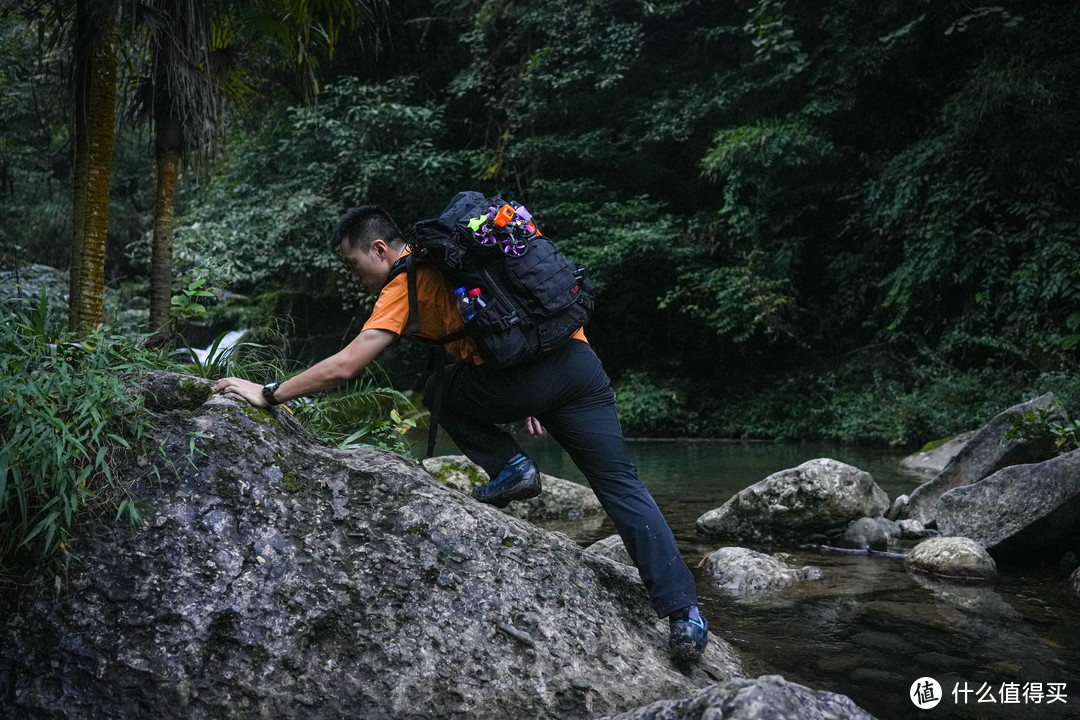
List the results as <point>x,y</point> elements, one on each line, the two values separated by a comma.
<point>769,697</point>
<point>789,505</point>
<point>740,570</point>
<point>990,449</point>
<point>952,557</point>
<point>1019,512</point>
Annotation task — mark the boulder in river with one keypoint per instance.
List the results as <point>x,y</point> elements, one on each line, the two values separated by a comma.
<point>769,697</point>
<point>897,507</point>
<point>985,453</point>
<point>952,557</point>
<point>280,578</point>
<point>871,534</point>
<point>933,461</point>
<point>741,570</point>
<point>789,505</point>
<point>611,547</point>
<point>913,530</point>
<point>1020,511</point>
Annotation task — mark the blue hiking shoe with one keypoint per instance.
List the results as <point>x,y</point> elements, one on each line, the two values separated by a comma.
<point>689,636</point>
<point>519,480</point>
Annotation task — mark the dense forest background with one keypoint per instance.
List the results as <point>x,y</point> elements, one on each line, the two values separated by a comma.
<point>845,220</point>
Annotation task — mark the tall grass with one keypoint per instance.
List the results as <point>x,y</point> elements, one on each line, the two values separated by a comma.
<point>70,423</point>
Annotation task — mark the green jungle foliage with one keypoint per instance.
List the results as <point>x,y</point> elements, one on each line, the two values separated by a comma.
<point>269,208</point>
<point>35,151</point>
<point>71,427</point>
<point>362,412</point>
<point>68,426</point>
<point>839,220</point>
<point>36,158</point>
<point>1043,423</point>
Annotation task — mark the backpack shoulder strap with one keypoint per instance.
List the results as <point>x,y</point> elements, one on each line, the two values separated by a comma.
<point>413,327</point>
<point>407,265</point>
<point>400,265</point>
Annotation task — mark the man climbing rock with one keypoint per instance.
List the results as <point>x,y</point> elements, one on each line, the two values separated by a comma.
<point>564,390</point>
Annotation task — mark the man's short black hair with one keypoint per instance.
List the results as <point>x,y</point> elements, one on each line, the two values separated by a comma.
<point>362,225</point>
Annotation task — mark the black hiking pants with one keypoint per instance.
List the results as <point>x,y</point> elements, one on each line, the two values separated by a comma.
<point>569,392</point>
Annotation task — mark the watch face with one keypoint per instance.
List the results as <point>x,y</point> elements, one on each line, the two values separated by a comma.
<point>268,393</point>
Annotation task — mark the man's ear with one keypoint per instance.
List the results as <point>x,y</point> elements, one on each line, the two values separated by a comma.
<point>380,247</point>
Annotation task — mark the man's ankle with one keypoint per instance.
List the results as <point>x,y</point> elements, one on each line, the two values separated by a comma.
<point>689,612</point>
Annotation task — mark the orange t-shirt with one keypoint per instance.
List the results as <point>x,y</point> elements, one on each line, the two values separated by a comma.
<point>439,315</point>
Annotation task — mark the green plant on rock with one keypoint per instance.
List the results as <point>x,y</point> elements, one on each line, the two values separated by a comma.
<point>1066,436</point>
<point>1042,423</point>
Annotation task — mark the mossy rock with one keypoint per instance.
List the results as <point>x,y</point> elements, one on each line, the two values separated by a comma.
<point>456,471</point>
<point>261,415</point>
<point>166,390</point>
<point>935,444</point>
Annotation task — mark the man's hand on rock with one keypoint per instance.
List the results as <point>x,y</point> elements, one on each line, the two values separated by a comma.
<point>252,392</point>
<point>533,426</point>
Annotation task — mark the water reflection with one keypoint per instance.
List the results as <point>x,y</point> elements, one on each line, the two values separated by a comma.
<point>869,629</point>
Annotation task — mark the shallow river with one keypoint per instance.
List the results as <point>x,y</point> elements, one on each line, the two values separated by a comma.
<point>867,629</point>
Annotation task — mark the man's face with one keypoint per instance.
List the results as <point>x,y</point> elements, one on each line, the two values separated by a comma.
<point>369,268</point>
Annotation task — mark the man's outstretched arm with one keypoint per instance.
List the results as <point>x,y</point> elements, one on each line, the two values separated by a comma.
<point>335,370</point>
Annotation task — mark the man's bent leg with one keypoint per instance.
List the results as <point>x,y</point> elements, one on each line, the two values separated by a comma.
<point>592,437</point>
<point>570,393</point>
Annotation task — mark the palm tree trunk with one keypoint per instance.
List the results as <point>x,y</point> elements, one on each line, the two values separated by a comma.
<point>168,149</point>
<point>81,71</point>
<point>99,25</point>
<point>168,169</point>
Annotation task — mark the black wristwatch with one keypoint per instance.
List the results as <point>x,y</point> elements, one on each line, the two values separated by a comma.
<point>268,393</point>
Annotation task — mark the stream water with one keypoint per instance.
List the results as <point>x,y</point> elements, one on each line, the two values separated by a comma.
<point>868,629</point>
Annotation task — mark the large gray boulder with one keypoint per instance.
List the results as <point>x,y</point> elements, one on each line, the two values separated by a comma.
<point>768,697</point>
<point>985,453</point>
<point>612,548</point>
<point>952,557</point>
<point>933,461</point>
<point>280,578</point>
<point>560,500</point>
<point>740,570</point>
<point>788,505</point>
<point>1023,510</point>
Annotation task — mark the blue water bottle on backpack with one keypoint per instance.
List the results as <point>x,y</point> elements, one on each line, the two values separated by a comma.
<point>465,304</point>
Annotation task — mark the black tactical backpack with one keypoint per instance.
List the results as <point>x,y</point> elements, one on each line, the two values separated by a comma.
<point>531,300</point>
